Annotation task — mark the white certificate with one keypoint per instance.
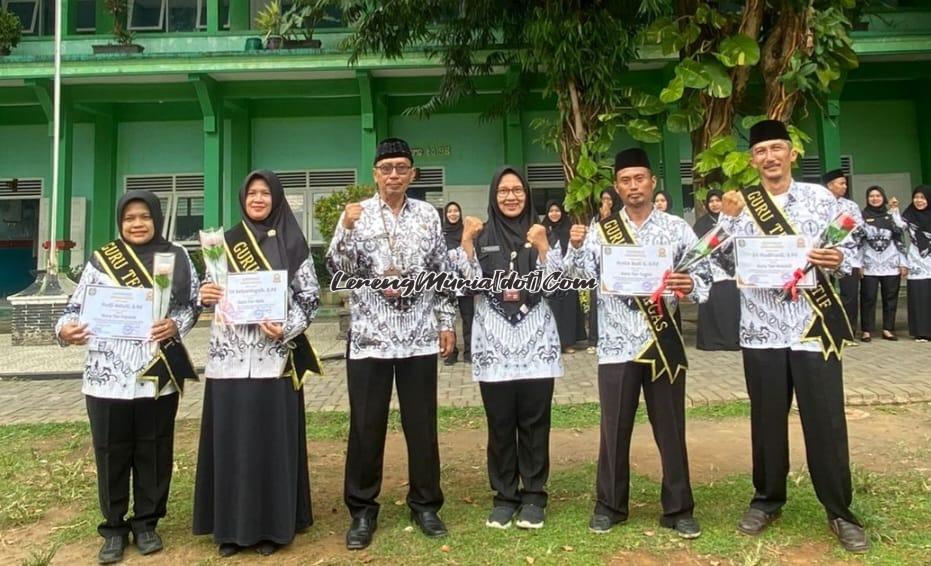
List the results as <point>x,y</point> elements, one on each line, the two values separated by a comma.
<point>634,270</point>
<point>255,296</point>
<point>118,312</point>
<point>769,262</point>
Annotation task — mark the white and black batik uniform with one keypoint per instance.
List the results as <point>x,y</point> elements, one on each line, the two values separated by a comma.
<point>623,332</point>
<point>882,256</point>
<point>393,340</point>
<point>777,362</point>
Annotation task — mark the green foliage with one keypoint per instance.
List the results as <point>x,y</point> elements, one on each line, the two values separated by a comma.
<point>197,258</point>
<point>832,53</point>
<point>11,29</point>
<point>269,20</point>
<point>299,21</point>
<point>328,209</point>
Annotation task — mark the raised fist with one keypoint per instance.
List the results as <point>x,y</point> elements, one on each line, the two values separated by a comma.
<point>733,203</point>
<point>577,235</point>
<point>537,237</point>
<point>351,214</point>
<point>471,227</point>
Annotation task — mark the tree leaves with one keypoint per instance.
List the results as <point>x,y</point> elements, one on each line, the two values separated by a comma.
<point>720,85</point>
<point>738,50</point>
<point>693,74</point>
<point>644,131</point>
<point>673,91</point>
<point>735,162</point>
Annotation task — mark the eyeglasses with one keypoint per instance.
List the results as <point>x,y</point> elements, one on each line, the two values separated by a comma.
<point>401,168</point>
<point>503,192</point>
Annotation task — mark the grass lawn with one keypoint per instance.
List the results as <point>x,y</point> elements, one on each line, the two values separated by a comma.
<point>48,505</point>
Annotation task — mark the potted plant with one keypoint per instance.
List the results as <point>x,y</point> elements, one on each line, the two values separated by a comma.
<point>270,22</point>
<point>11,31</point>
<point>300,20</point>
<point>124,38</point>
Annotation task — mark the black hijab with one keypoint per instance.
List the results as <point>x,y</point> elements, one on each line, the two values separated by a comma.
<point>704,224</point>
<point>919,221</point>
<point>616,203</point>
<point>452,231</point>
<point>668,200</point>
<point>503,236</point>
<point>557,231</point>
<point>878,216</point>
<point>279,236</point>
<point>181,279</point>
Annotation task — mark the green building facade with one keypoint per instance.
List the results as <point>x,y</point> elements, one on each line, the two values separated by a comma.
<point>194,113</point>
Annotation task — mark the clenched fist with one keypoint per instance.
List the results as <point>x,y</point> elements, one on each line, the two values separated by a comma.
<point>536,236</point>
<point>733,203</point>
<point>351,215</point>
<point>471,227</point>
<point>577,235</point>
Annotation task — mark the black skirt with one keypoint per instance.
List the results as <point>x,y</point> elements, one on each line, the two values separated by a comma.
<point>570,320</point>
<point>252,481</point>
<point>919,307</point>
<point>719,318</point>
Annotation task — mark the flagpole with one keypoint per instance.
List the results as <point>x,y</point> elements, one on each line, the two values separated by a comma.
<point>56,143</point>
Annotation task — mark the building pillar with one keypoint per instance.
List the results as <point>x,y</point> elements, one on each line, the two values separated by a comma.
<point>211,106</point>
<point>240,163</point>
<point>103,214</point>
<point>240,15</point>
<point>828,122</point>
<point>213,15</point>
<point>103,21</point>
<point>672,179</point>
<point>513,128</point>
<point>370,134</point>
<point>924,129</point>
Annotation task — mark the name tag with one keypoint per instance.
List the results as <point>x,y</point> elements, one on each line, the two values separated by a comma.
<point>511,295</point>
<point>491,249</point>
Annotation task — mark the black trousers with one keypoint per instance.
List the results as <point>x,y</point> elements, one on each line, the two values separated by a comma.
<point>518,414</point>
<point>772,376</point>
<point>850,297</point>
<point>869,288</point>
<point>593,318</point>
<point>619,393</point>
<point>370,382</point>
<point>132,436</point>
<point>466,311</point>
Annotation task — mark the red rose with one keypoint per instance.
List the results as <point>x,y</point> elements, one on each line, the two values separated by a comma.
<point>847,222</point>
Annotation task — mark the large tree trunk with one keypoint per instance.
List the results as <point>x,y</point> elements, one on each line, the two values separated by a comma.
<point>790,34</point>
<point>720,112</point>
<point>578,118</point>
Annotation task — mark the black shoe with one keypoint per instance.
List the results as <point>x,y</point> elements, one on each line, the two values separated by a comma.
<point>360,532</point>
<point>687,527</point>
<point>148,542</point>
<point>112,550</point>
<point>430,523</point>
<point>228,549</point>
<point>866,338</point>
<point>851,536</point>
<point>531,517</point>
<point>267,547</point>
<point>891,337</point>
<point>501,517</point>
<point>755,521</point>
<point>602,523</point>
<point>449,362</point>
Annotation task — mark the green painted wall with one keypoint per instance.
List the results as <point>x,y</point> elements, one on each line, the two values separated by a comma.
<point>29,156</point>
<point>283,144</point>
<point>152,148</point>
<point>881,136</point>
<point>476,148</point>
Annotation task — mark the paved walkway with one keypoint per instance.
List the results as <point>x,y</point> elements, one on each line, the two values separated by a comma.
<point>879,372</point>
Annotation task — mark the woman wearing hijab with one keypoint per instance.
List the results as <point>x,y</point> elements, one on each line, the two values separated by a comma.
<point>131,398</point>
<point>719,318</point>
<point>515,349</point>
<point>452,232</point>
<point>565,305</point>
<point>918,219</point>
<point>884,262</point>
<point>610,204</point>
<point>662,202</point>
<point>252,486</point>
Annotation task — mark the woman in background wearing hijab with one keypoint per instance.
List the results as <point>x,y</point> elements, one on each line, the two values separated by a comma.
<point>884,262</point>
<point>565,305</point>
<point>132,418</point>
<point>719,318</point>
<point>609,203</point>
<point>662,202</point>
<point>516,355</point>
<point>452,232</point>
<point>252,485</point>
<point>918,219</point>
